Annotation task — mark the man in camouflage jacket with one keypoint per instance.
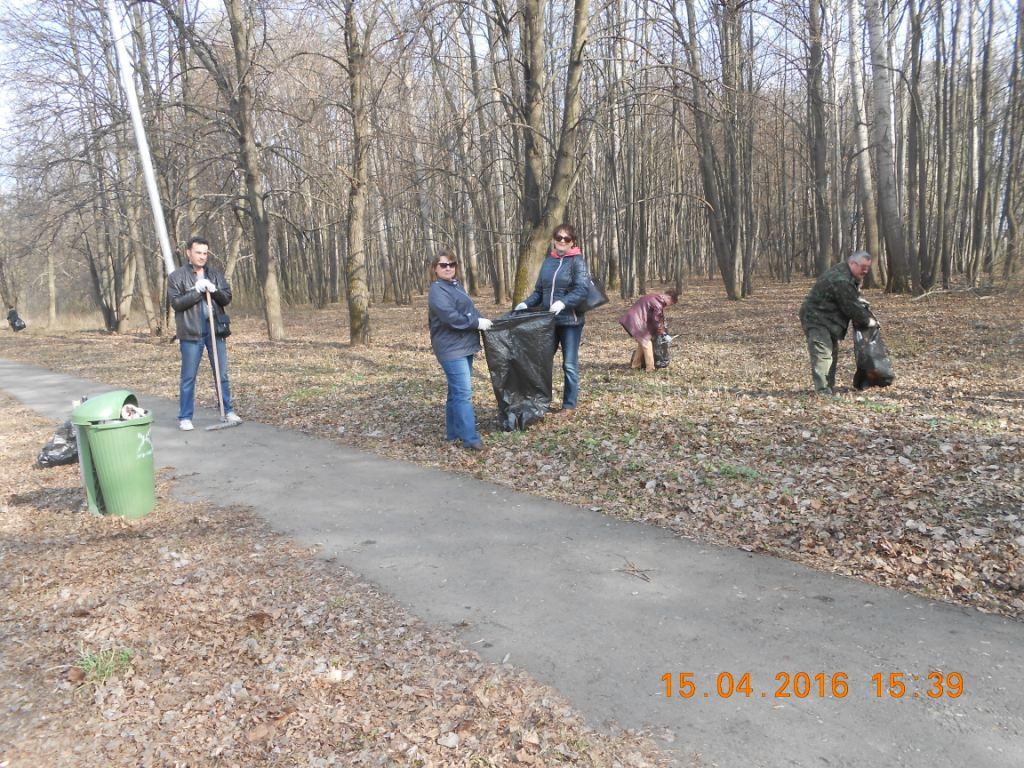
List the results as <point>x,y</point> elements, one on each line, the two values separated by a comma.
<point>826,313</point>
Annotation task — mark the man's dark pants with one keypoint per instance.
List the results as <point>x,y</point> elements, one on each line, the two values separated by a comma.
<point>823,348</point>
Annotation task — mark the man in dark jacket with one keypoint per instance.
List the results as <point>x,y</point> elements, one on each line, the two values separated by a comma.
<point>187,290</point>
<point>826,313</point>
<point>645,320</point>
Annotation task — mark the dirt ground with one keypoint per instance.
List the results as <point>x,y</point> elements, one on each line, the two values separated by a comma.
<point>919,486</point>
<point>197,637</point>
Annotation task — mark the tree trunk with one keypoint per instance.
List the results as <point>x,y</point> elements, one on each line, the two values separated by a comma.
<point>532,35</point>
<point>917,175</point>
<point>892,219</point>
<point>249,160</point>
<point>51,290</point>
<point>865,178</point>
<point>1015,156</point>
<point>533,250</point>
<point>819,140</point>
<point>355,264</point>
<point>980,245</point>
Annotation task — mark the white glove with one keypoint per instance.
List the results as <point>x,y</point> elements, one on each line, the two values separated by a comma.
<point>205,286</point>
<point>520,306</point>
<point>484,324</point>
<point>872,323</point>
<point>557,307</point>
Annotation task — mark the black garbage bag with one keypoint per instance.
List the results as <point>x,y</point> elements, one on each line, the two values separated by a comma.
<point>14,320</point>
<point>61,449</point>
<point>520,355</point>
<point>874,368</point>
<point>661,356</point>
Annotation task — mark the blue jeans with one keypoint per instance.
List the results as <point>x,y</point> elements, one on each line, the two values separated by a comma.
<point>191,354</point>
<point>459,419</point>
<point>568,338</point>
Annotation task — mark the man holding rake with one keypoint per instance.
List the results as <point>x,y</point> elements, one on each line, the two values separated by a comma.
<point>199,293</point>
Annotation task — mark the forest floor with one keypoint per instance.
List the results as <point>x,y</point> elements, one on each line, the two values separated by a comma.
<point>919,486</point>
<point>196,636</point>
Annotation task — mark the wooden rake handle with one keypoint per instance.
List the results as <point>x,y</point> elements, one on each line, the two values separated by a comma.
<point>213,354</point>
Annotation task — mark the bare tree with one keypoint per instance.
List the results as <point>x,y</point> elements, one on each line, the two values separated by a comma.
<point>331,144</point>
<point>355,265</point>
<point>819,139</point>
<point>892,218</point>
<point>234,82</point>
<point>563,175</point>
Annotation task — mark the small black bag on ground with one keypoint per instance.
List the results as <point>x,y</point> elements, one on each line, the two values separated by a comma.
<point>61,449</point>
<point>874,368</point>
<point>661,354</point>
<point>14,320</point>
<point>520,355</point>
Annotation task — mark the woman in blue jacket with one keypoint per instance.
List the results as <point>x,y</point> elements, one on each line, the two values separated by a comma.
<point>455,324</point>
<point>561,288</point>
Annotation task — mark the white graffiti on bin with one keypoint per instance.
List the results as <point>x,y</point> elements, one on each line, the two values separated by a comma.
<point>145,449</point>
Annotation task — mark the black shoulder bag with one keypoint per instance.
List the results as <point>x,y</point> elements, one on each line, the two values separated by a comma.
<point>596,297</point>
<point>221,324</point>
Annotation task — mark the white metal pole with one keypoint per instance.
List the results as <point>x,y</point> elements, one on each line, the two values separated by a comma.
<point>128,84</point>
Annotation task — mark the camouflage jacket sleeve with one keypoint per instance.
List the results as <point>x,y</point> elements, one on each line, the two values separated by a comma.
<point>847,295</point>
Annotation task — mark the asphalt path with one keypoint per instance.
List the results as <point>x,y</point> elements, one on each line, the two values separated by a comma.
<point>559,591</point>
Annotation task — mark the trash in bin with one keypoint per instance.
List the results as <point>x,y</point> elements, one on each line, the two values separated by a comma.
<point>132,412</point>
<point>60,449</point>
<point>116,454</point>
<point>520,355</point>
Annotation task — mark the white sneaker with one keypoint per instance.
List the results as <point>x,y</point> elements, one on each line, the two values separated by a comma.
<point>233,418</point>
<point>185,425</point>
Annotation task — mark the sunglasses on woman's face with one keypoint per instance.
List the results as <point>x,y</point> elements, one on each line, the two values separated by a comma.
<point>446,264</point>
<point>563,239</point>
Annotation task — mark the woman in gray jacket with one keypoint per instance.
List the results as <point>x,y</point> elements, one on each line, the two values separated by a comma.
<point>561,288</point>
<point>455,324</point>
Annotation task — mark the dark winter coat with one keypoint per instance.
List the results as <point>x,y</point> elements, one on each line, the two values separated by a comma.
<point>453,321</point>
<point>833,302</point>
<point>561,279</point>
<point>646,318</point>
<point>189,320</point>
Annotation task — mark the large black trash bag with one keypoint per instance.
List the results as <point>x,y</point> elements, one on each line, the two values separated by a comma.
<point>14,320</point>
<point>874,368</point>
<point>520,353</point>
<point>61,449</point>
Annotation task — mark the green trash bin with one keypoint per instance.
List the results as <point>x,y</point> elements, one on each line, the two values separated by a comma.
<point>115,456</point>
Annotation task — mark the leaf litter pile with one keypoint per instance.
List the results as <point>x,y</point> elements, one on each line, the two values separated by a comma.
<point>196,636</point>
<point>919,486</point>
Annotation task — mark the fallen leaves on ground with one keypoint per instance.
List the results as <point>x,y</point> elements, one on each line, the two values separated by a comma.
<point>196,636</point>
<point>918,486</point>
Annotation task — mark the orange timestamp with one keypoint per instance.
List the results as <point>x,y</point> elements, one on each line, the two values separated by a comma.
<point>803,685</point>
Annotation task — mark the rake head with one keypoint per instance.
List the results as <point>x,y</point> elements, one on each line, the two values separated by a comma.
<point>225,424</point>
